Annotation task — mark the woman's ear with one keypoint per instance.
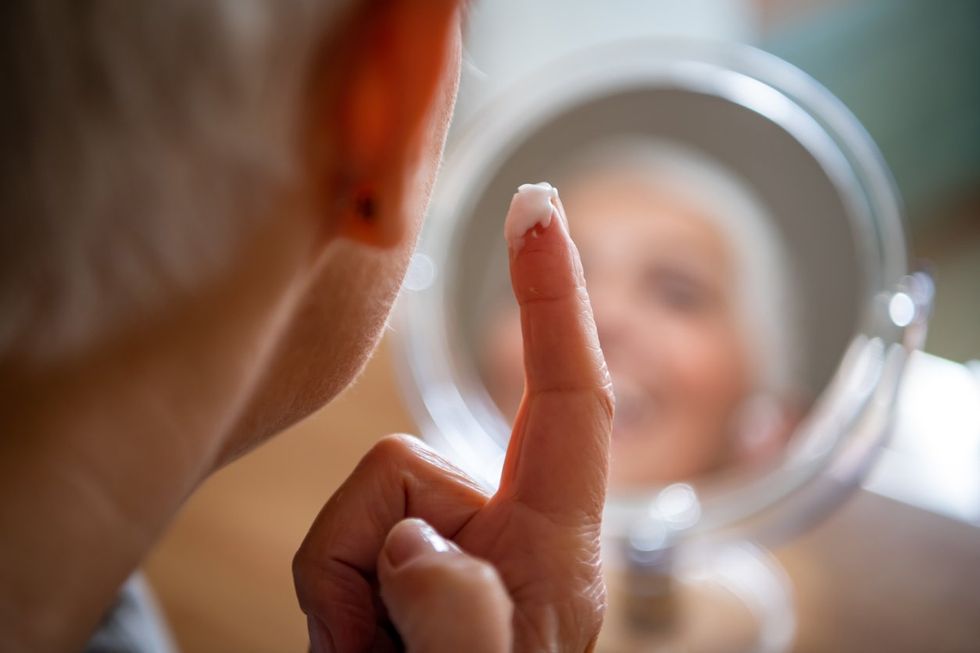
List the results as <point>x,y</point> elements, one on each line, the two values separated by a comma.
<point>375,93</point>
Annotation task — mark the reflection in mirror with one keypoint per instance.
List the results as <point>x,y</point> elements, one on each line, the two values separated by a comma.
<point>692,291</point>
<point>731,249</point>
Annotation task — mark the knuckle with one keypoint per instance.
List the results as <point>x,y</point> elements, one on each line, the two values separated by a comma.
<point>302,580</point>
<point>306,567</point>
<point>299,565</point>
<point>398,446</point>
<point>302,564</point>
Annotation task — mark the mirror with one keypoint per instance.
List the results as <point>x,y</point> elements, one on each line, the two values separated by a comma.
<point>742,243</point>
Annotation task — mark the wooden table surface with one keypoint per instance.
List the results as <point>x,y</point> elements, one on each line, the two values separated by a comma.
<point>876,576</point>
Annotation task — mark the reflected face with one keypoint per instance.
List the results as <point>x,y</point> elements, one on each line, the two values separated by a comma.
<point>663,284</point>
<point>662,279</point>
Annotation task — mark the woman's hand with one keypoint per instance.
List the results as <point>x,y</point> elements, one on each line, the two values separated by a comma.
<point>518,570</point>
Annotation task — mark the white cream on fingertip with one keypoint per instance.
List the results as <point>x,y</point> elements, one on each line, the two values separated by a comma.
<point>532,205</point>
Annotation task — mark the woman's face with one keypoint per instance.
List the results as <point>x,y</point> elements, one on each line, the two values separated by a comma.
<point>663,286</point>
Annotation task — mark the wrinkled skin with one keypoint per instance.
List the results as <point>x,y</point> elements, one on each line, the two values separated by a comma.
<point>540,531</point>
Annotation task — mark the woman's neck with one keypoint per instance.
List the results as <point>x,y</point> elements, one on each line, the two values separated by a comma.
<point>97,454</point>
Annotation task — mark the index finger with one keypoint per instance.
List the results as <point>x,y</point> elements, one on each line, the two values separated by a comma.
<point>558,455</point>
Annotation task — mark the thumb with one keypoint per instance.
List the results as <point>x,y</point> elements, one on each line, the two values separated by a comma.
<point>439,598</point>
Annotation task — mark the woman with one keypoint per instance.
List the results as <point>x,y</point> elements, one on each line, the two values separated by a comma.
<point>208,207</point>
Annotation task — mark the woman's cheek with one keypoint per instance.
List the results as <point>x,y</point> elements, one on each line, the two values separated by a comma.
<point>708,373</point>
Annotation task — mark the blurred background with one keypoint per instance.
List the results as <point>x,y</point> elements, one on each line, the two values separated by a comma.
<point>898,567</point>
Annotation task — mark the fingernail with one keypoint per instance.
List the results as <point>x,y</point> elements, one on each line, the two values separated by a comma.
<point>413,538</point>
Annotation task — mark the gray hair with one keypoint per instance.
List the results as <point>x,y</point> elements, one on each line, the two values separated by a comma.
<point>142,140</point>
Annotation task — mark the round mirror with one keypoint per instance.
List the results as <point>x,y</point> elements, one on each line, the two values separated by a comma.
<point>744,251</point>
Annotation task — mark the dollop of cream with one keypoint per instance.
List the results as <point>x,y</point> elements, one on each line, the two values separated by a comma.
<point>532,205</point>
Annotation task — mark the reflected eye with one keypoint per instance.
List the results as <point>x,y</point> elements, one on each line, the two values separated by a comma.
<point>677,290</point>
